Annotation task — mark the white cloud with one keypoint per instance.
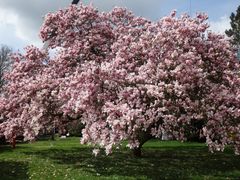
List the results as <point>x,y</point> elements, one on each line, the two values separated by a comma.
<point>220,25</point>
<point>9,18</point>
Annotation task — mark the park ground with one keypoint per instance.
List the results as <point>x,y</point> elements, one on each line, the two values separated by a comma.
<point>67,159</point>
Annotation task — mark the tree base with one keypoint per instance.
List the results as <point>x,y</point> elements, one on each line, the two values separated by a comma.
<point>137,152</point>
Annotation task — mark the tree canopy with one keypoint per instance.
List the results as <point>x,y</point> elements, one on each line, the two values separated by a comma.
<point>125,78</point>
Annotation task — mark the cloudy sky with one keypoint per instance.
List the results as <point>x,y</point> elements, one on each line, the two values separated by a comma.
<point>20,20</point>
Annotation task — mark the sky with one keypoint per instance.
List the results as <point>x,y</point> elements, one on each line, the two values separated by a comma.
<point>20,20</point>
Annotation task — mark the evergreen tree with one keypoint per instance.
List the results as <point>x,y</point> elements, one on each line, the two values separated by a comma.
<point>234,31</point>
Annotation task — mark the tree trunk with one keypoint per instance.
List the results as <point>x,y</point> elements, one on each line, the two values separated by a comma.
<point>53,134</point>
<point>143,137</point>
<point>13,143</point>
<point>137,152</point>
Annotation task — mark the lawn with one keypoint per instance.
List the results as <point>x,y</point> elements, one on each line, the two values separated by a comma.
<point>67,159</point>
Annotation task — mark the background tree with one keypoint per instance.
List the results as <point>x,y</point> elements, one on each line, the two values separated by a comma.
<point>126,78</point>
<point>5,52</point>
<point>234,31</point>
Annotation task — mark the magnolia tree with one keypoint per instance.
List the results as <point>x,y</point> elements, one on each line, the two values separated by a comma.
<point>125,78</point>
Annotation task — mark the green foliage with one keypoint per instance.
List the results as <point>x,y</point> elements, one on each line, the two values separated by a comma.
<point>234,31</point>
<point>2,140</point>
<point>193,131</point>
<point>75,128</point>
<point>67,159</point>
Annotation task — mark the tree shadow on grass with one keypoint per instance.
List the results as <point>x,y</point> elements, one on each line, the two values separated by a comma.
<point>12,170</point>
<point>8,148</point>
<point>179,162</point>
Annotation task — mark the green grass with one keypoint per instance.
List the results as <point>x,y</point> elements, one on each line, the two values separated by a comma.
<point>67,159</point>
